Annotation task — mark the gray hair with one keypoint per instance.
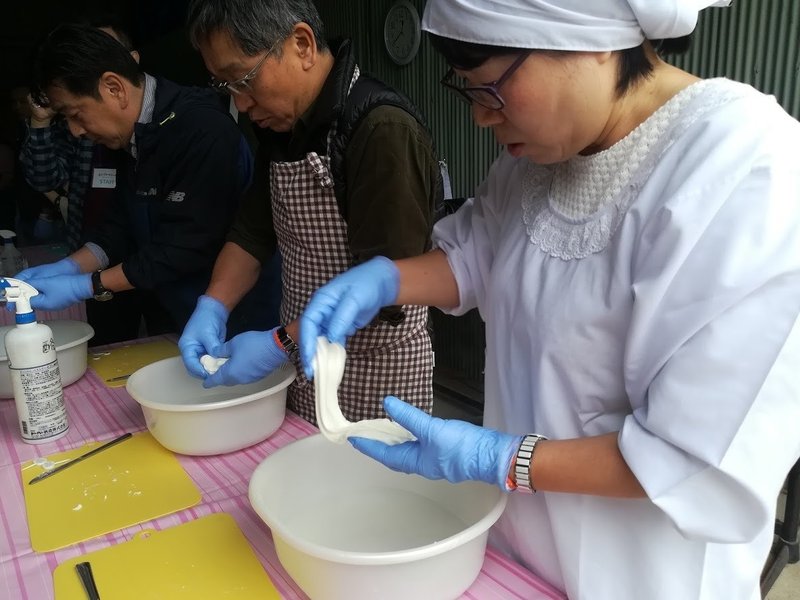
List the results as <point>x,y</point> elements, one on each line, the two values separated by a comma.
<point>255,25</point>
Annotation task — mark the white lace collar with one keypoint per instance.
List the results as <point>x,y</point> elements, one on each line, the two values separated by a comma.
<point>572,209</point>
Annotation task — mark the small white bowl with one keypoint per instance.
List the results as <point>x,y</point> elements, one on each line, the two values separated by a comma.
<point>189,419</point>
<point>346,527</point>
<point>72,339</point>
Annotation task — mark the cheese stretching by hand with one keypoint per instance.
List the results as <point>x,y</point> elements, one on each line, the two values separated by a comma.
<point>328,370</point>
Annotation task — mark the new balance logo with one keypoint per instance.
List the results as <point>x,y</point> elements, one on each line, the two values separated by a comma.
<point>176,196</point>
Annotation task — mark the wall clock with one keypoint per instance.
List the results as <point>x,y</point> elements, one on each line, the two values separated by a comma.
<point>402,32</point>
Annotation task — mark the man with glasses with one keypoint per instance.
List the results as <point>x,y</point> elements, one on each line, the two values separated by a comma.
<point>182,168</point>
<point>346,171</point>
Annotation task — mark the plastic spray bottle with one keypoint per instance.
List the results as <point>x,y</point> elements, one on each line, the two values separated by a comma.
<point>35,377</point>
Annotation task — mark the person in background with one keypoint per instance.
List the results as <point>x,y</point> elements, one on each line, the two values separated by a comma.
<point>184,168</point>
<point>37,219</point>
<point>54,159</point>
<point>346,171</point>
<point>7,176</point>
<point>635,253</point>
<point>84,175</point>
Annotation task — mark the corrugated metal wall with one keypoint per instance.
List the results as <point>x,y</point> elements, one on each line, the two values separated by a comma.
<point>754,41</point>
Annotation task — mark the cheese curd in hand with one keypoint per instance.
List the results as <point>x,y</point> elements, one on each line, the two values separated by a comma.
<point>212,364</point>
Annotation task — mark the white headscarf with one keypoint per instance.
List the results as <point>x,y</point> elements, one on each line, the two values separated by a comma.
<point>589,25</point>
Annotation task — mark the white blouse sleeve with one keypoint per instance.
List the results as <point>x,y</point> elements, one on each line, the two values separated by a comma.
<point>469,237</point>
<point>713,352</point>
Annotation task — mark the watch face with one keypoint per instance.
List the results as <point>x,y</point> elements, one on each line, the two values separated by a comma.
<point>401,32</point>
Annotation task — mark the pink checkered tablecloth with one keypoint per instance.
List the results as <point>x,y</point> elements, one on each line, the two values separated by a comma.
<point>100,413</point>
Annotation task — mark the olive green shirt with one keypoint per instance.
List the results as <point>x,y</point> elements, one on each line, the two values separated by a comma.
<point>392,179</point>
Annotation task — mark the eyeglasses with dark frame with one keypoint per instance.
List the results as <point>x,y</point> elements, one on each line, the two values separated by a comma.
<point>243,84</point>
<point>487,95</point>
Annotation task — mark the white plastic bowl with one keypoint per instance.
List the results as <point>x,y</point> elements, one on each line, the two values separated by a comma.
<point>72,339</point>
<point>188,419</point>
<point>346,527</point>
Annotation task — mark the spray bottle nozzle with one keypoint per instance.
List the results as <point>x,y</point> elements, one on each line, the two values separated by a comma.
<point>19,292</point>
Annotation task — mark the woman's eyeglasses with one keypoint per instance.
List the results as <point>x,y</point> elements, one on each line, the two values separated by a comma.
<point>243,84</point>
<point>487,95</point>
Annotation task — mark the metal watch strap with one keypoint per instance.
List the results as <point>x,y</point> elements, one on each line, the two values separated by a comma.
<point>289,345</point>
<point>522,464</point>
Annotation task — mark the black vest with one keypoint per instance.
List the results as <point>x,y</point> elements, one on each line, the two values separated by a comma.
<point>367,94</point>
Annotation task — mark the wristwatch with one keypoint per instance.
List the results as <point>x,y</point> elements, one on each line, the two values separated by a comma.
<point>522,464</point>
<point>288,344</point>
<point>99,291</point>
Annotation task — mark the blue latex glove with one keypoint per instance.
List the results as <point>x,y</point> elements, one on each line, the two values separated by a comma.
<point>65,266</point>
<point>345,304</point>
<point>61,291</point>
<point>253,355</point>
<point>445,449</point>
<point>204,333</point>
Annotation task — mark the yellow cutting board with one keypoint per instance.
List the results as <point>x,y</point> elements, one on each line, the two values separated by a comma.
<point>206,559</point>
<point>114,366</point>
<point>134,481</point>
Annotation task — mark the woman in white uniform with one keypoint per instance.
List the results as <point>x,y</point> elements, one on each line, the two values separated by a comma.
<point>635,253</point>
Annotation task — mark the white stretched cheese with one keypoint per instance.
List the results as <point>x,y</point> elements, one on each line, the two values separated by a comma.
<point>328,370</point>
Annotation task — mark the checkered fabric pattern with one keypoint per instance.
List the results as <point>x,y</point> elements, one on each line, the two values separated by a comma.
<point>52,158</point>
<point>312,236</point>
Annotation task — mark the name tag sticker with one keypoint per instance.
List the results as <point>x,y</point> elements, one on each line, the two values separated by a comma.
<point>104,178</point>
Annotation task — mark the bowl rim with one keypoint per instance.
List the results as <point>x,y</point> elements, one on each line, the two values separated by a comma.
<point>85,337</point>
<point>89,333</point>
<point>287,369</point>
<point>393,557</point>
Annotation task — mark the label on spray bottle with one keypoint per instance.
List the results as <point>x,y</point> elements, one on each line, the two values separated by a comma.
<point>41,411</point>
<point>33,366</point>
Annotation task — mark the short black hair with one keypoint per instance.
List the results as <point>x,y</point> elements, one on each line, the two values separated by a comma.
<point>75,56</point>
<point>255,25</point>
<point>468,55</point>
<point>112,21</point>
<point>634,65</point>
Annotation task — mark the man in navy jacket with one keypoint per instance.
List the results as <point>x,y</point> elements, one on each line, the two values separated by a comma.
<point>183,165</point>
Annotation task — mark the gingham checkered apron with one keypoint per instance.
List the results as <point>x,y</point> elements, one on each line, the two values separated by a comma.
<point>312,235</point>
